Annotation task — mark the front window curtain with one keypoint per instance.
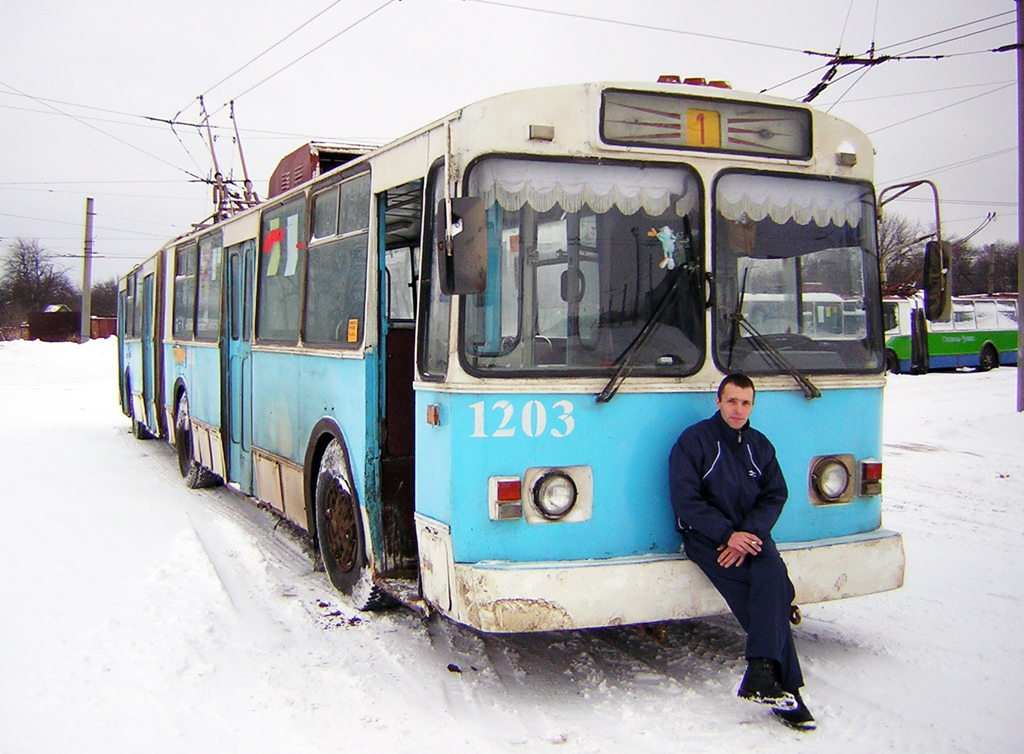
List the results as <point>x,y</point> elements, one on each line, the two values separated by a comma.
<point>184,291</point>
<point>280,273</point>
<point>208,309</point>
<point>336,278</point>
<point>435,306</point>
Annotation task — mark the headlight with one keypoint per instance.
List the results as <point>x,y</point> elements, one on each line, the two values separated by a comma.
<point>554,494</point>
<point>830,478</point>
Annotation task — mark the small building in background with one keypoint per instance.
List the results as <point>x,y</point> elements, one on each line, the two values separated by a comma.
<point>58,323</point>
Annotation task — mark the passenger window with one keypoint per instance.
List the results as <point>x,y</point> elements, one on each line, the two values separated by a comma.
<point>184,292</point>
<point>208,308</point>
<point>336,273</point>
<point>963,316</point>
<point>131,312</point>
<point>280,273</point>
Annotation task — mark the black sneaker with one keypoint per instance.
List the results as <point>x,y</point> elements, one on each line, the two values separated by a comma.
<point>799,718</point>
<point>761,686</point>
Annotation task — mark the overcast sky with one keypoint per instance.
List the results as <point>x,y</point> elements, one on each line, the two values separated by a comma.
<point>86,89</point>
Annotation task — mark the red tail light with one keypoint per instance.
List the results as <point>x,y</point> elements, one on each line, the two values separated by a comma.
<point>870,477</point>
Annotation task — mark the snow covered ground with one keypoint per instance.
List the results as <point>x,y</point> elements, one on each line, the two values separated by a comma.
<point>138,615</point>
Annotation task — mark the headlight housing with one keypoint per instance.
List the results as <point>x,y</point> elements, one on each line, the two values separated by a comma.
<point>831,479</point>
<point>558,494</point>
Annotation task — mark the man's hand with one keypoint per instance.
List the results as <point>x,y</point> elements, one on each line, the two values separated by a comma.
<point>741,544</point>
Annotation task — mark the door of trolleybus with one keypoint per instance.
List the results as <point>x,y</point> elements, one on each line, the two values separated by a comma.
<point>237,364</point>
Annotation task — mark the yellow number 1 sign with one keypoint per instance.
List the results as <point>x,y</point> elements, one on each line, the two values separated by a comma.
<point>703,129</point>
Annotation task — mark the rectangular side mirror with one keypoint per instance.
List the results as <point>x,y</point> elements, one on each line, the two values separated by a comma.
<point>463,257</point>
<point>937,280</point>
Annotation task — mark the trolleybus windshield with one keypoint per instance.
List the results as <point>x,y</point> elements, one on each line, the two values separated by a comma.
<point>796,275</point>
<point>580,258</point>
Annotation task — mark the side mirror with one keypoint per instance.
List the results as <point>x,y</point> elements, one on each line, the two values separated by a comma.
<point>463,253</point>
<point>936,283</point>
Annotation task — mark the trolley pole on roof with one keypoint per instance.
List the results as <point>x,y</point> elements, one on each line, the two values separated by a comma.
<point>1020,205</point>
<point>86,329</point>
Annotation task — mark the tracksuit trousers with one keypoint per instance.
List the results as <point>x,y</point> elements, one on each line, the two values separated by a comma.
<point>760,595</point>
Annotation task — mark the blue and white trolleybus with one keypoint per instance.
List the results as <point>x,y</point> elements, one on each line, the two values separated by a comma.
<point>459,361</point>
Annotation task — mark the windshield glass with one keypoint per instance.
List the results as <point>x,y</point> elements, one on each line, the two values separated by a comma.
<point>581,257</point>
<point>795,262</point>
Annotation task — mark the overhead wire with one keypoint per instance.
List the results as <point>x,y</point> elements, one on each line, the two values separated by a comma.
<point>940,109</point>
<point>634,25</point>
<point>279,42</point>
<point>926,91</point>
<point>956,165</point>
<point>846,23</point>
<point>956,39</point>
<point>871,53</point>
<point>101,131</point>
<point>834,57</point>
<point>951,28</point>
<point>839,99</point>
<point>306,54</point>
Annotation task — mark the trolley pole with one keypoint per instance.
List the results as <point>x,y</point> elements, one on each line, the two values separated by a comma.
<point>86,329</point>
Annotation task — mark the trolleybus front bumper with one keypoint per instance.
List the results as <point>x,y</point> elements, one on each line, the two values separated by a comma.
<point>506,597</point>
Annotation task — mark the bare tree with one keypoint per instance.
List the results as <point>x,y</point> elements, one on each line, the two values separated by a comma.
<point>104,299</point>
<point>900,249</point>
<point>30,281</point>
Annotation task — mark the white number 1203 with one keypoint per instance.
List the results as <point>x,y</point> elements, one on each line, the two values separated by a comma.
<point>533,419</point>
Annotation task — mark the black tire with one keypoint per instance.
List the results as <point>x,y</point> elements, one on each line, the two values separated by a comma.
<point>892,362</point>
<point>339,532</point>
<point>195,476</point>
<point>989,358</point>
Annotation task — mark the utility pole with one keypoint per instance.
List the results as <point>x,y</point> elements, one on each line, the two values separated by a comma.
<point>1020,205</point>
<point>86,330</point>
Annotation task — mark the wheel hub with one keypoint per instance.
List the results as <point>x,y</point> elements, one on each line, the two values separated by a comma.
<point>339,514</point>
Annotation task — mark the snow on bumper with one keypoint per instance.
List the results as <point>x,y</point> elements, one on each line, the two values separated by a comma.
<point>502,597</point>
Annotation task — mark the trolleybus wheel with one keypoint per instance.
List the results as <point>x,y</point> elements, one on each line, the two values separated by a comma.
<point>339,532</point>
<point>892,362</point>
<point>195,476</point>
<point>989,358</point>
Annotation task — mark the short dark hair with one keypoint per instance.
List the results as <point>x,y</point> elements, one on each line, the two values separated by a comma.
<point>739,380</point>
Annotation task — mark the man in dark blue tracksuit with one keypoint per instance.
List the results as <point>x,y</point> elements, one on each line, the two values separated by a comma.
<point>727,492</point>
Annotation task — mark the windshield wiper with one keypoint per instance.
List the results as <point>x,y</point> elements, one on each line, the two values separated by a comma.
<point>735,318</point>
<point>767,349</point>
<point>625,361</point>
<point>772,355</point>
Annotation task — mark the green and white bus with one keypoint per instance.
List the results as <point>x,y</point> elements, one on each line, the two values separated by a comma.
<point>982,333</point>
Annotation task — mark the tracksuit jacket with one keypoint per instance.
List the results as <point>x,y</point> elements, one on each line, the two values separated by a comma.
<point>724,480</point>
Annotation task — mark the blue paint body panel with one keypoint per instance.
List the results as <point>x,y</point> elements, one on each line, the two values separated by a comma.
<point>132,350</point>
<point>200,373</point>
<point>626,442</point>
<point>292,392</point>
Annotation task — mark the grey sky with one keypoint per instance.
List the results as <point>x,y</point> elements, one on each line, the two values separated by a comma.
<point>77,81</point>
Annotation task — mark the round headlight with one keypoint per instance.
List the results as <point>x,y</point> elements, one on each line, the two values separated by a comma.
<point>554,494</point>
<point>831,478</point>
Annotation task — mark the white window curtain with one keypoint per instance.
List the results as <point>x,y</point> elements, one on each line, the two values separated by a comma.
<point>542,185</point>
<point>739,197</point>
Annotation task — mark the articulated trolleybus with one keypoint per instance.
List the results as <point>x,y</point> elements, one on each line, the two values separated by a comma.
<point>459,362</point>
